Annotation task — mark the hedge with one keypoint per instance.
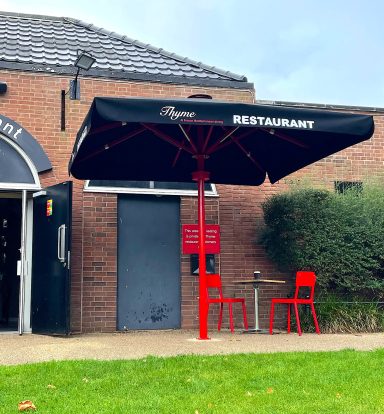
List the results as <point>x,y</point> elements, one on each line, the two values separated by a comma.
<point>339,236</point>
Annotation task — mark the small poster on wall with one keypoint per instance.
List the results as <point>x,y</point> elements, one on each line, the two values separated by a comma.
<point>49,207</point>
<point>190,238</point>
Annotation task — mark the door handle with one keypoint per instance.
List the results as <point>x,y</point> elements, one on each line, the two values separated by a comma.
<point>61,243</point>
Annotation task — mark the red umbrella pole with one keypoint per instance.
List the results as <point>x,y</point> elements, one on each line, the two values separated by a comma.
<point>202,176</point>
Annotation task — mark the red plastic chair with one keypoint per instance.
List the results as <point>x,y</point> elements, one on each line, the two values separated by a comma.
<point>303,279</point>
<point>214,281</point>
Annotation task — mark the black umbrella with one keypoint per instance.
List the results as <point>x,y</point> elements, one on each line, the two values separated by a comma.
<point>206,140</point>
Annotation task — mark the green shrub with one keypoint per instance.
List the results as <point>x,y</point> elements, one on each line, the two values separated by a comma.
<point>339,236</point>
<point>344,317</point>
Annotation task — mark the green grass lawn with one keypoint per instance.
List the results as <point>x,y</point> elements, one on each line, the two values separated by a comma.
<point>324,382</point>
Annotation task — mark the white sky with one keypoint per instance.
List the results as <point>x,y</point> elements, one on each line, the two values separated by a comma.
<point>321,51</point>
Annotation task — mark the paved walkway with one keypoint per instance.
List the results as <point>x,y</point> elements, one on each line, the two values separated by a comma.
<point>15,349</point>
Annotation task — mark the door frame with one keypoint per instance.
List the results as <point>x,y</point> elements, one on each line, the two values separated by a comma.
<point>36,160</point>
<point>56,322</point>
<point>24,265</point>
<point>148,198</point>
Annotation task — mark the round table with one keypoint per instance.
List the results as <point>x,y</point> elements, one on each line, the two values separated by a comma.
<point>256,282</point>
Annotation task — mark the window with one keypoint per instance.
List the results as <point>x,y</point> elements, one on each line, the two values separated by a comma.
<point>342,187</point>
<point>147,187</point>
<point>17,171</point>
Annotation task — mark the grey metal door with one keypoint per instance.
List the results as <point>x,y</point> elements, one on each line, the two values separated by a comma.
<point>148,262</point>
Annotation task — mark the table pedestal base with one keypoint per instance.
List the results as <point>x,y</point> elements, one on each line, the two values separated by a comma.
<point>256,331</point>
<point>255,282</point>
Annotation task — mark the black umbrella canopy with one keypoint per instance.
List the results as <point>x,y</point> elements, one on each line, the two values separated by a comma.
<point>160,139</point>
<point>230,143</point>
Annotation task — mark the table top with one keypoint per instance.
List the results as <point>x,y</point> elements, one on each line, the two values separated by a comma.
<point>246,281</point>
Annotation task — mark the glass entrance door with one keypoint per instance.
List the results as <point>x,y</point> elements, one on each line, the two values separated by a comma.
<point>10,242</point>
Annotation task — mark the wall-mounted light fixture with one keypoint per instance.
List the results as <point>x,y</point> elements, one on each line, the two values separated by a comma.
<point>3,88</point>
<point>84,61</point>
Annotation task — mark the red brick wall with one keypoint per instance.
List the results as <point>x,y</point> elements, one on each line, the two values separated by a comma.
<point>99,281</point>
<point>33,100</point>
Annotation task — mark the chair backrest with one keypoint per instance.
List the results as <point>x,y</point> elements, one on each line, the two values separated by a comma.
<point>305,279</point>
<point>214,281</point>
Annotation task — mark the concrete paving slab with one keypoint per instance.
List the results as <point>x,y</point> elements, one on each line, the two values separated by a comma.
<point>28,348</point>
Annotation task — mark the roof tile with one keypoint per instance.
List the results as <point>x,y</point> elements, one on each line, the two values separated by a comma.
<point>45,40</point>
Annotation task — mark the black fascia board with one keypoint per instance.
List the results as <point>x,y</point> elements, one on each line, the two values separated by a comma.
<point>121,75</point>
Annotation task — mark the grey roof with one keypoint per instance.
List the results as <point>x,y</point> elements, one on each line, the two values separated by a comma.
<point>331,107</point>
<point>50,44</point>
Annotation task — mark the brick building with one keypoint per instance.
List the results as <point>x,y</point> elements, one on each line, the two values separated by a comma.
<point>38,125</point>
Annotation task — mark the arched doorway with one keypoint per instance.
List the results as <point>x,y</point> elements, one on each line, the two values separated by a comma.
<point>21,159</point>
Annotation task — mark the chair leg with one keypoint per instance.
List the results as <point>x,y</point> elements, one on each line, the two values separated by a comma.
<point>271,314</point>
<point>245,315</point>
<point>289,318</point>
<point>315,318</point>
<point>220,317</point>
<point>297,319</point>
<point>231,317</point>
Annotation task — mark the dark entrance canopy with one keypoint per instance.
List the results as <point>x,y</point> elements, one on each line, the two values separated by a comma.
<point>199,140</point>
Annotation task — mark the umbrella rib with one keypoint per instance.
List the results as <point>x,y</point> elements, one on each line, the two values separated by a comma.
<point>112,144</point>
<point>228,135</point>
<point>208,137</point>
<point>167,138</point>
<point>247,153</point>
<point>188,139</point>
<point>106,127</point>
<point>221,144</point>
<point>177,157</point>
<point>284,137</point>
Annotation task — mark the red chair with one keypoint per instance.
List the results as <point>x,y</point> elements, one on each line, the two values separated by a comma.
<point>303,279</point>
<point>214,282</point>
